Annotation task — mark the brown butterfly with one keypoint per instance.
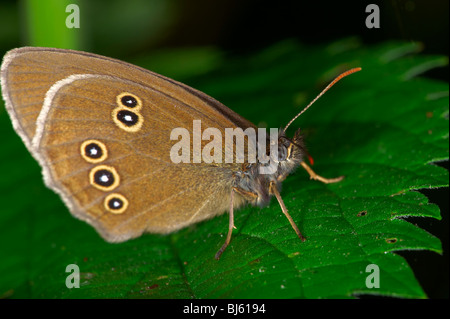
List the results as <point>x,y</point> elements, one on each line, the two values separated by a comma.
<point>100,128</point>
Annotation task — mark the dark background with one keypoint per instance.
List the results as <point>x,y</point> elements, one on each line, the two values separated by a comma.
<point>241,26</point>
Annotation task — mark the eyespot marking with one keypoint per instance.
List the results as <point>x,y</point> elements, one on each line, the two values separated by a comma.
<point>127,120</point>
<point>129,100</point>
<point>116,203</point>
<point>362,213</point>
<point>391,240</point>
<point>127,117</point>
<point>93,151</point>
<point>104,178</point>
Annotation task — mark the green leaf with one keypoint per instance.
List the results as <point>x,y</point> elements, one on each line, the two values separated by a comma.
<point>383,128</point>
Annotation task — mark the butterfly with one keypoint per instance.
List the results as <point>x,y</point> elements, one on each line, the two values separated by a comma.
<point>101,130</point>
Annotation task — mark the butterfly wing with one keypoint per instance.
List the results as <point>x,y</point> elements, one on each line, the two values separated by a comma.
<point>72,106</point>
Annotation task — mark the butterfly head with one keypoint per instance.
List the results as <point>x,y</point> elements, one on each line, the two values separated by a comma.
<point>291,152</point>
<point>257,178</point>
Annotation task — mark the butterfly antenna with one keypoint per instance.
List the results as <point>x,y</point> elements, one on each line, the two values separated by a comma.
<point>323,92</point>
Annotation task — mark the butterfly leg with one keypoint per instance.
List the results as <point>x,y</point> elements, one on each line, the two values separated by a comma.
<point>273,190</point>
<point>313,175</point>
<point>230,227</point>
<point>250,196</point>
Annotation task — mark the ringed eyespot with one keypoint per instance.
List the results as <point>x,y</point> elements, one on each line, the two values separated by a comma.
<point>116,203</point>
<point>127,120</point>
<point>129,100</point>
<point>127,117</point>
<point>104,178</point>
<point>93,151</point>
<point>391,240</point>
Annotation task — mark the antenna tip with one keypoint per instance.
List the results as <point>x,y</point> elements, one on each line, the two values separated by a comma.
<point>348,72</point>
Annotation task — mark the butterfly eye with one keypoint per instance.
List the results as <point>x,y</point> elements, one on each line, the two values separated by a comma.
<point>116,203</point>
<point>104,178</point>
<point>283,153</point>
